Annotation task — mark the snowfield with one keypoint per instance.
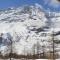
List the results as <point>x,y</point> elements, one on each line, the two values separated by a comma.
<point>25,27</point>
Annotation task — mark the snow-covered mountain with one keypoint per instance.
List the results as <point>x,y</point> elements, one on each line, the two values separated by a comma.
<point>25,27</point>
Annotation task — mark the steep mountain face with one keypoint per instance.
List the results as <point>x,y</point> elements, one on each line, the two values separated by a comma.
<point>24,27</point>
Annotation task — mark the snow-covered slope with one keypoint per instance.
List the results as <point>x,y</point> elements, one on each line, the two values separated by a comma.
<point>25,27</point>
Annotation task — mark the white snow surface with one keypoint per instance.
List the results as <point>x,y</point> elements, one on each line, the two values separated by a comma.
<point>21,26</point>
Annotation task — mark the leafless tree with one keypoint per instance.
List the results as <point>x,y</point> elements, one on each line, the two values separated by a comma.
<point>9,37</point>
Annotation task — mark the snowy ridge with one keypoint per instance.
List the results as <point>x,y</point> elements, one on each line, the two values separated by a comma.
<point>25,27</point>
